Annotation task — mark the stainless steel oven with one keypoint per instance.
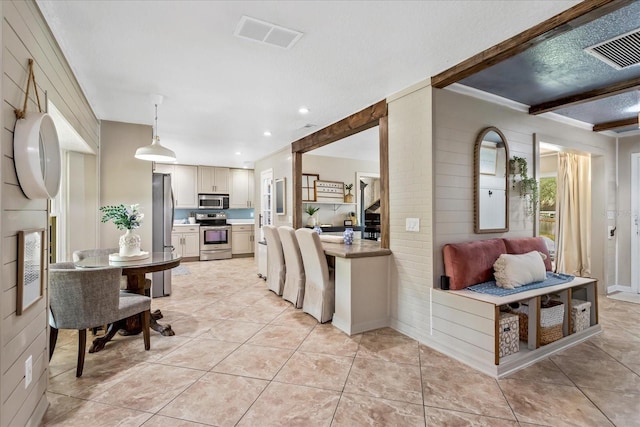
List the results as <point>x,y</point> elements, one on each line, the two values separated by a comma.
<point>215,236</point>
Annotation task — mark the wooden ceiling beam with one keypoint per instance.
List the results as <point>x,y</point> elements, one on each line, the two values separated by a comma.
<point>580,14</point>
<point>362,120</point>
<point>616,124</point>
<point>588,96</point>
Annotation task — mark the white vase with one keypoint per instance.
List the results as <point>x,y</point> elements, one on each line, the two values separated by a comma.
<point>129,244</point>
<point>311,222</point>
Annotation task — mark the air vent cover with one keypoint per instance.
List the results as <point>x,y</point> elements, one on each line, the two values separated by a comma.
<point>264,32</point>
<point>620,52</point>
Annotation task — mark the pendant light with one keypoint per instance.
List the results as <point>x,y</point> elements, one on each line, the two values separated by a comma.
<point>156,152</point>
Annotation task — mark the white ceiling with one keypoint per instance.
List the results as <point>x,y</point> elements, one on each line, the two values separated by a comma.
<point>221,92</point>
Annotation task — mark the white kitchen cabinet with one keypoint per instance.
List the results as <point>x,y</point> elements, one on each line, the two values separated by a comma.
<point>241,194</point>
<point>186,241</point>
<point>184,179</point>
<point>242,239</point>
<point>213,180</point>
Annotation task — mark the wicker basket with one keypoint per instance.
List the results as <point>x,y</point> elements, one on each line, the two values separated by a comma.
<point>550,334</point>
<point>551,320</point>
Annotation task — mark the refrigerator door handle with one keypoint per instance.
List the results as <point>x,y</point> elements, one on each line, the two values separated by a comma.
<point>173,208</point>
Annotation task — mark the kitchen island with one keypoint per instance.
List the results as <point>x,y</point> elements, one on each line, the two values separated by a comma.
<point>361,285</point>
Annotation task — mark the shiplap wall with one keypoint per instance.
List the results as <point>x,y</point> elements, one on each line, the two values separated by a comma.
<point>458,120</point>
<point>25,35</point>
<point>410,196</point>
<point>431,139</point>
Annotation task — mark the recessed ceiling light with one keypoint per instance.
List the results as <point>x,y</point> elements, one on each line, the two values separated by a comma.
<point>238,153</point>
<point>303,110</point>
<point>267,133</point>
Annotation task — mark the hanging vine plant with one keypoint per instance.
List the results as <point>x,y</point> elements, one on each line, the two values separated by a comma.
<point>527,186</point>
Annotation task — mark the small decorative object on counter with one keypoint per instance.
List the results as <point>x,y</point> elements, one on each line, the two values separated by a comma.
<point>348,236</point>
<point>317,229</point>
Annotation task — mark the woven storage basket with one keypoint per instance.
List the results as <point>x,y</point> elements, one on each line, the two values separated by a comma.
<point>580,315</point>
<point>551,316</point>
<point>550,334</point>
<point>551,313</point>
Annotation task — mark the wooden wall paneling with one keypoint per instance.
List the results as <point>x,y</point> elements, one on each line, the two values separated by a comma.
<point>34,343</point>
<point>463,333</point>
<point>466,350</point>
<point>13,198</point>
<point>25,401</point>
<point>49,71</point>
<point>49,63</point>
<point>478,323</point>
<point>9,176</point>
<point>13,326</point>
<point>6,141</point>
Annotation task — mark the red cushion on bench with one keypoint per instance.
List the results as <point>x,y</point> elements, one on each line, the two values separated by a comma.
<point>523,245</point>
<point>470,263</point>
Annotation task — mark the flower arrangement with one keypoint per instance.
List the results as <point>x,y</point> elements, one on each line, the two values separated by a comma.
<point>125,218</point>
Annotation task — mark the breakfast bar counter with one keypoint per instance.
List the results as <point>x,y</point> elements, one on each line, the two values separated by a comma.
<point>361,285</point>
<point>359,249</point>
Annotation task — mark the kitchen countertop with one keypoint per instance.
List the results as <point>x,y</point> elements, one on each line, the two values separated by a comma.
<point>248,221</point>
<point>186,225</point>
<point>359,249</point>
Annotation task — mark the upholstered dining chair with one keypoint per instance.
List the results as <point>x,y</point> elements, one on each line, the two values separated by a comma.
<point>85,298</point>
<point>79,255</point>
<point>319,288</point>
<point>275,260</point>
<point>294,269</point>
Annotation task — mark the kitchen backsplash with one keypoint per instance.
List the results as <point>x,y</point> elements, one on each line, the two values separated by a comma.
<point>231,213</point>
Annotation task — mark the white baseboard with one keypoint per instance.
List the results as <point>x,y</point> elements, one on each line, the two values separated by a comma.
<point>619,288</point>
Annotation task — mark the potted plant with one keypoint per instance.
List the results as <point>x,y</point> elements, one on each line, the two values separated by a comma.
<point>311,210</point>
<point>527,186</point>
<point>125,218</point>
<point>348,198</point>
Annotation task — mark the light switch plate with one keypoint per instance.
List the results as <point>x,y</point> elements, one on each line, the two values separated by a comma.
<point>28,371</point>
<point>611,215</point>
<point>413,224</point>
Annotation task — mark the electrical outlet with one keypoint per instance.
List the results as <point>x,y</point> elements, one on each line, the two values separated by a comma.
<point>28,371</point>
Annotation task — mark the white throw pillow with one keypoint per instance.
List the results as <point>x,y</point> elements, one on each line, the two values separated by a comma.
<point>512,271</point>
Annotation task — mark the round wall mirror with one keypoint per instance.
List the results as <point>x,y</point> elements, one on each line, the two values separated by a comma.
<point>491,186</point>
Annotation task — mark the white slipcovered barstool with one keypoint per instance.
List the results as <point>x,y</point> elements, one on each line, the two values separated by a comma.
<point>294,278</point>
<point>275,260</point>
<point>319,288</point>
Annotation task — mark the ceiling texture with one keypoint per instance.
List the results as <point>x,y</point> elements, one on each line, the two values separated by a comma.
<point>222,92</point>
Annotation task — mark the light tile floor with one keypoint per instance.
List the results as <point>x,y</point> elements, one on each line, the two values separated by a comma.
<point>242,356</point>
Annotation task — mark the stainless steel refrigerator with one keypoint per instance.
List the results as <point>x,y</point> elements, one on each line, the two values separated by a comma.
<point>163,206</point>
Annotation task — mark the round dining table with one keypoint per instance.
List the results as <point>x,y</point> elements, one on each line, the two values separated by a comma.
<point>135,271</point>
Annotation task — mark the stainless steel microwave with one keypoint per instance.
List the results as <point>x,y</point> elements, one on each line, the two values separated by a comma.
<point>213,201</point>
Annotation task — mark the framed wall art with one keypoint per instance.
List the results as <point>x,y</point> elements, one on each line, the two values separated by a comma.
<point>31,257</point>
<point>308,187</point>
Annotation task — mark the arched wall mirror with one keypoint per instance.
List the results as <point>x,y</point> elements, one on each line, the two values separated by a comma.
<point>491,186</point>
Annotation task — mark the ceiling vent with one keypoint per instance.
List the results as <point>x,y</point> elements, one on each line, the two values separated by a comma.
<point>264,32</point>
<point>620,52</point>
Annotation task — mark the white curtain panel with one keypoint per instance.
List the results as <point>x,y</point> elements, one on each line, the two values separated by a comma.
<point>573,215</point>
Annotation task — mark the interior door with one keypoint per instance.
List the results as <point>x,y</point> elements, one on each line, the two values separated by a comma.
<point>635,221</point>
